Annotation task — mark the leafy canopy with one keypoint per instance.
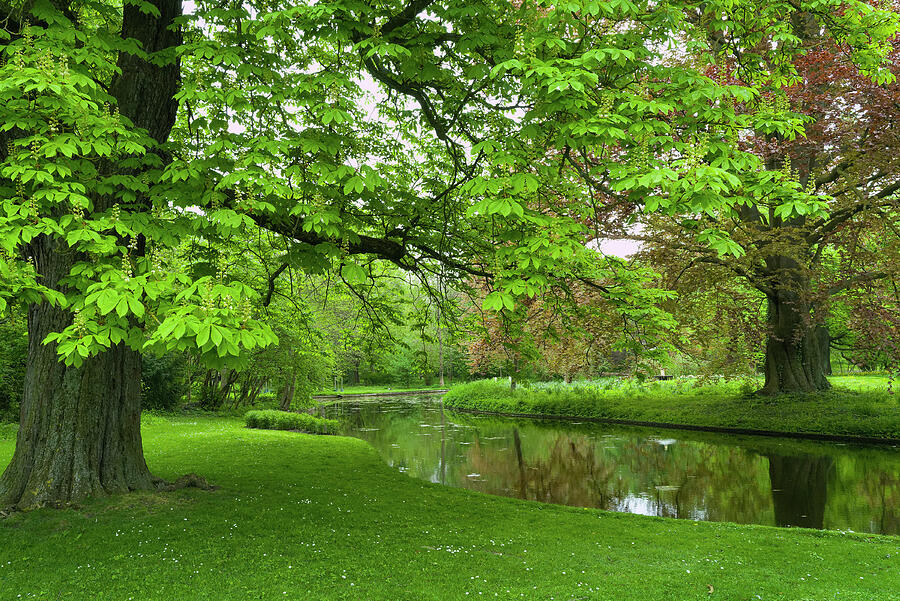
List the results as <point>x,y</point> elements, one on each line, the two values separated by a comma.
<point>471,139</point>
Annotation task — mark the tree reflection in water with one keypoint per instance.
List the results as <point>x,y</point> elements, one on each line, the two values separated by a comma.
<point>799,489</point>
<point>668,473</point>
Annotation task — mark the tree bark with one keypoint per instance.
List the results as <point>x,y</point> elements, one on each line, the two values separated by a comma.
<point>79,430</point>
<point>823,336</point>
<point>254,395</point>
<point>795,361</point>
<point>216,387</point>
<point>286,394</point>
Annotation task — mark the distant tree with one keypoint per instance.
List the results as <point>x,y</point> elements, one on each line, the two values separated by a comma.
<point>574,329</point>
<point>803,255</point>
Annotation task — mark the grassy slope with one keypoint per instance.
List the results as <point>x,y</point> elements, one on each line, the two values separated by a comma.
<point>378,389</point>
<point>304,517</point>
<point>859,406</point>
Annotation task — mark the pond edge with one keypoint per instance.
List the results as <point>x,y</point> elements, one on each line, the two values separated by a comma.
<point>721,429</point>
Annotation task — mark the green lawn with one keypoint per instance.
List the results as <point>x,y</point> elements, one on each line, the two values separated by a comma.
<point>856,405</point>
<point>306,517</point>
<point>379,389</point>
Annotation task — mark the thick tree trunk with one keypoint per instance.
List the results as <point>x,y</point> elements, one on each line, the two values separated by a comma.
<point>795,361</point>
<point>79,432</point>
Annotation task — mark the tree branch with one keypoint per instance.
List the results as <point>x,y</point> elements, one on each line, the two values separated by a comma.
<point>858,279</point>
<point>271,286</point>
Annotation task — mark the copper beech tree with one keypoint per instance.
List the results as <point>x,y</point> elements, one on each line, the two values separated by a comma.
<point>800,259</point>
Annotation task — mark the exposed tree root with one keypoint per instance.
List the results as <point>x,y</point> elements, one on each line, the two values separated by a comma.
<point>187,481</point>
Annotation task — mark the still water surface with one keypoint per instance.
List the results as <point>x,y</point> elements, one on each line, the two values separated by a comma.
<point>674,473</point>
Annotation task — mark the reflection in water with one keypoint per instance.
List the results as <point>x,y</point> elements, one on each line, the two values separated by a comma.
<point>800,489</point>
<point>653,472</point>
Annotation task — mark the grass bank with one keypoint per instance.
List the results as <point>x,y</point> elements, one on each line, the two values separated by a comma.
<point>856,406</point>
<point>303,517</point>
<point>377,389</point>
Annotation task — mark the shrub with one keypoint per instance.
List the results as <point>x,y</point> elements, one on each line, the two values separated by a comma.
<point>163,381</point>
<point>270,419</point>
<point>12,367</point>
<point>8,431</point>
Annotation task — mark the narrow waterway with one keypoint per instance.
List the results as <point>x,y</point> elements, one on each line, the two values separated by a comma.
<point>663,472</point>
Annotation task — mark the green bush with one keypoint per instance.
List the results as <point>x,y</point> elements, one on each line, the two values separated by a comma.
<point>12,367</point>
<point>8,431</point>
<point>163,381</point>
<point>270,419</point>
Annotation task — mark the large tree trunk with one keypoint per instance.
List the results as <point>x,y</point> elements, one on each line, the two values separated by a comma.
<point>795,361</point>
<point>79,431</point>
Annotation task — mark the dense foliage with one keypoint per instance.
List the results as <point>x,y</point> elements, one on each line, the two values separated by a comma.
<point>12,366</point>
<point>163,381</point>
<point>281,139</point>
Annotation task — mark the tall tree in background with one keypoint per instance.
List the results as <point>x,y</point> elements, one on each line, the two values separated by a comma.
<point>800,255</point>
<point>127,130</point>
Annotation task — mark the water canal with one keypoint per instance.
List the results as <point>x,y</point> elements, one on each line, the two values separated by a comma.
<point>662,472</point>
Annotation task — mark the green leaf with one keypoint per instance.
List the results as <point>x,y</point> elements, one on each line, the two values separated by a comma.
<point>492,302</point>
<point>203,334</point>
<point>353,273</point>
<point>107,300</point>
<point>136,307</point>
<point>122,307</point>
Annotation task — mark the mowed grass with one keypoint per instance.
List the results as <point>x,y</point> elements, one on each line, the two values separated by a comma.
<point>322,517</point>
<point>855,406</point>
<point>386,389</point>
